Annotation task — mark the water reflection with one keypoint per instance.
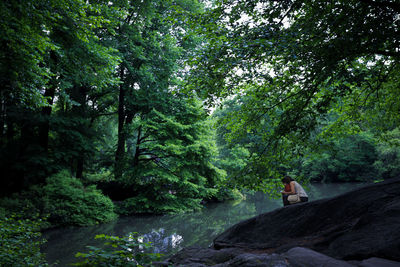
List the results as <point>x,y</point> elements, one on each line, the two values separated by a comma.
<point>170,233</point>
<point>161,241</point>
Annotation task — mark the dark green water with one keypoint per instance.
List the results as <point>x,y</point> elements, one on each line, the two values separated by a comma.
<point>170,233</point>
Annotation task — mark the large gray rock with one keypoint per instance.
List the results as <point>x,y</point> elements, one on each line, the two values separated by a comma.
<point>377,262</point>
<point>231,257</point>
<point>203,256</point>
<point>257,260</point>
<point>295,257</point>
<point>358,225</point>
<point>303,257</point>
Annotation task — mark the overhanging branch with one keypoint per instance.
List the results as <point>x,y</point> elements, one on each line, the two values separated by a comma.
<point>383,4</point>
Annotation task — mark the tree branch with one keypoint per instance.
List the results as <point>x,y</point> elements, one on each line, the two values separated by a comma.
<point>383,4</point>
<point>387,53</point>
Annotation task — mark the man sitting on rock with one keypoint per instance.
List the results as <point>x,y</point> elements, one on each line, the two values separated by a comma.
<point>292,188</point>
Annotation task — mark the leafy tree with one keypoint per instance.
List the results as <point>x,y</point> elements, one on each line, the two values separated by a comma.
<point>171,160</point>
<point>150,59</point>
<point>296,60</point>
<point>100,76</point>
<point>264,161</point>
<point>387,164</point>
<point>63,55</point>
<point>343,160</point>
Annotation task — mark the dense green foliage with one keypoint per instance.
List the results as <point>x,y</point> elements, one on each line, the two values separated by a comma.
<point>69,202</point>
<point>65,200</point>
<point>101,105</point>
<point>357,157</point>
<point>345,157</point>
<point>121,251</point>
<point>113,93</point>
<point>300,71</point>
<point>91,93</point>
<point>20,242</point>
<point>172,161</point>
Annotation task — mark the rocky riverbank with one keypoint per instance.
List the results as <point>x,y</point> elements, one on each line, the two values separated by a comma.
<point>359,228</point>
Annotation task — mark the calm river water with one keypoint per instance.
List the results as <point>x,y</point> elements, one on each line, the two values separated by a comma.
<point>170,233</point>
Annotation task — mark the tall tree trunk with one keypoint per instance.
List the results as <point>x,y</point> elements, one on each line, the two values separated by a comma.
<point>120,153</point>
<point>79,94</point>
<point>2,116</point>
<point>137,151</point>
<point>44,127</point>
<point>9,122</point>
<point>129,118</point>
<point>10,133</point>
<point>79,166</point>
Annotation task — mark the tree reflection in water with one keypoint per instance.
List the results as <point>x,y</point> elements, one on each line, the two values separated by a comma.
<point>161,241</point>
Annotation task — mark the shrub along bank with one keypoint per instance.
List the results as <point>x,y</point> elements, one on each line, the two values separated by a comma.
<point>66,200</point>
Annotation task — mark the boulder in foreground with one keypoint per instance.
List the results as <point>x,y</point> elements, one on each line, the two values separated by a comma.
<point>295,257</point>
<point>357,225</point>
<point>358,228</point>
